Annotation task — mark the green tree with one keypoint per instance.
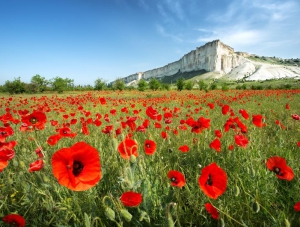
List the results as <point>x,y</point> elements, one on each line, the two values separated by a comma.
<point>14,87</point>
<point>189,85</point>
<point>100,84</point>
<point>180,83</point>
<point>225,87</point>
<point>154,84</point>
<point>38,83</point>
<point>142,85</point>
<point>59,84</point>
<point>213,86</point>
<point>166,86</point>
<point>202,85</point>
<point>119,85</point>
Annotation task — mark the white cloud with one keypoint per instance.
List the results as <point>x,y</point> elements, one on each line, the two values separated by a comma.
<point>254,24</point>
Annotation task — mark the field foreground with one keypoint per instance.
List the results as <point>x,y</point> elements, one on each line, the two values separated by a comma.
<point>132,158</point>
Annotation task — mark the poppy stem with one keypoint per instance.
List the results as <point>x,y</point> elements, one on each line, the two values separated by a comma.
<point>256,200</point>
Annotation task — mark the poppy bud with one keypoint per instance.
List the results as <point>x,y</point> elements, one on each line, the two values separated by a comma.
<point>126,215</point>
<point>110,214</point>
<point>132,158</point>
<point>255,207</point>
<point>115,144</point>
<point>236,191</point>
<point>287,223</point>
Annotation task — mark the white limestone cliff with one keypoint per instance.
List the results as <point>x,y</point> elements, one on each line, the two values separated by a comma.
<point>217,57</point>
<point>214,56</point>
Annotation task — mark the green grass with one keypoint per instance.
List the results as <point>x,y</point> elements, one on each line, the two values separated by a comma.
<point>44,202</point>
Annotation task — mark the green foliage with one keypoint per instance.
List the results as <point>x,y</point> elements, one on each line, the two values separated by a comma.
<point>213,86</point>
<point>154,84</point>
<point>202,85</point>
<point>59,84</point>
<point>189,85</point>
<point>119,85</point>
<point>254,196</point>
<point>166,87</point>
<point>256,87</point>
<point>38,84</point>
<point>15,87</point>
<point>142,85</point>
<point>100,84</point>
<point>225,87</point>
<point>180,83</point>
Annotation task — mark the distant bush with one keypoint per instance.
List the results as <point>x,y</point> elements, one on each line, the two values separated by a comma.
<point>142,85</point>
<point>256,87</point>
<point>189,85</point>
<point>225,87</point>
<point>213,86</point>
<point>202,85</point>
<point>14,87</point>
<point>166,87</point>
<point>180,84</point>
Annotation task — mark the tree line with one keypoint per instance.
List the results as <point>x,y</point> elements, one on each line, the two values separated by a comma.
<point>39,84</point>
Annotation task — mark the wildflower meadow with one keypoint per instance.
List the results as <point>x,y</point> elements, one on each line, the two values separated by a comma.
<point>130,158</point>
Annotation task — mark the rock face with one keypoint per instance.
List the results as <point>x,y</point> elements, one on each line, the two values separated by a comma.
<point>217,57</point>
<point>214,56</point>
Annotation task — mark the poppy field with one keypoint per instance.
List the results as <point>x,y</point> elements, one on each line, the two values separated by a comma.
<point>130,158</point>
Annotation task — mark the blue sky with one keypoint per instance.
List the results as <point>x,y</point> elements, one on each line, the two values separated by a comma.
<point>89,39</point>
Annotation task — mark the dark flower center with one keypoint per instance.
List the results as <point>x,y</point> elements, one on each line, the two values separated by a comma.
<point>33,120</point>
<point>277,171</point>
<point>173,179</point>
<point>3,133</point>
<point>77,168</point>
<point>148,145</point>
<point>209,180</point>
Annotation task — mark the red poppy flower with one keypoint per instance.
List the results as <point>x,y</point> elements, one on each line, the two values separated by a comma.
<point>14,220</point>
<point>150,147</point>
<point>280,168</point>
<point>146,123</point>
<point>184,148</point>
<point>218,133</point>
<point>287,106</point>
<point>6,154</point>
<point>108,129</point>
<point>66,132</point>
<point>52,140</point>
<point>257,120</point>
<point>177,178</point>
<point>127,148</point>
<point>215,144</point>
<point>164,135</point>
<point>3,165</point>
<point>151,112</point>
<point>212,210</point>
<point>211,106</point>
<point>37,119</point>
<point>244,114</point>
<point>225,109</point>
<point>77,167</point>
<point>298,144</point>
<point>296,117</point>
<point>5,132</point>
<point>36,166</point>
<point>231,147</point>
<point>131,199</point>
<point>241,140</point>
<point>102,101</point>
<point>297,206</point>
<point>157,125</point>
<point>213,181</point>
